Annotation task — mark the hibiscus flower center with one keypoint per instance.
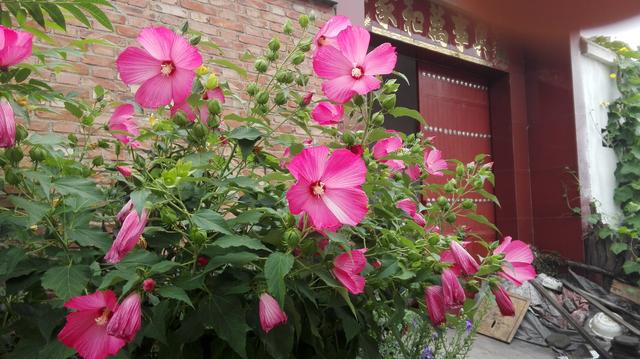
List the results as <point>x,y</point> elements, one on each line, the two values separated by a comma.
<point>167,68</point>
<point>357,72</point>
<point>322,40</point>
<point>104,318</point>
<point>317,189</point>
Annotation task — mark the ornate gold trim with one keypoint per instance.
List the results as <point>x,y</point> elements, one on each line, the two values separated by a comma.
<point>432,47</point>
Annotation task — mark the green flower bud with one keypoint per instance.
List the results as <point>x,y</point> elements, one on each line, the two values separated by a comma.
<point>21,133</point>
<point>297,58</point>
<point>378,119</point>
<point>274,44</point>
<point>262,97</point>
<point>103,144</point>
<point>72,138</point>
<point>98,161</point>
<point>451,218</point>
<point>197,236</point>
<point>271,55</point>
<point>280,99</point>
<point>212,82</point>
<point>312,16</point>
<point>252,89</point>
<point>199,130</point>
<point>168,216</point>
<point>261,65</point>
<point>358,100</point>
<point>195,40</point>
<point>467,204</point>
<point>214,107</point>
<point>302,80</point>
<point>348,138</point>
<point>281,76</point>
<point>287,28</point>
<point>180,119</point>
<point>305,45</point>
<point>14,154</point>
<point>37,154</point>
<point>478,183</point>
<point>389,102</point>
<point>390,88</point>
<point>442,202</point>
<point>261,109</point>
<point>292,237</point>
<point>12,177</point>
<point>460,170</point>
<point>449,187</point>
<point>303,20</point>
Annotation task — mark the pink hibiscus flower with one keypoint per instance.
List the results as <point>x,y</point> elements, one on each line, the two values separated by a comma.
<point>347,268</point>
<point>126,321</point>
<point>7,125</point>
<point>15,46</point>
<point>348,69</point>
<point>413,172</point>
<point>433,162</point>
<point>164,67</point>
<point>434,298</point>
<point>463,259</point>
<point>123,126</point>
<point>326,113</point>
<point>452,290</point>
<point>271,315</point>
<point>328,187</point>
<point>124,171</point>
<point>387,146</point>
<point>518,258</point>
<point>86,328</point>
<point>128,236</point>
<point>149,285</point>
<point>213,94</point>
<point>411,208</point>
<point>330,30</point>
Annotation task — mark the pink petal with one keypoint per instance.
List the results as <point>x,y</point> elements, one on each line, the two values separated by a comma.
<point>329,63</point>
<point>381,61</point>
<point>124,170</point>
<point>413,172</point>
<point>434,299</point>
<point>351,262</point>
<point>124,211</point>
<point>408,206</point>
<point>215,94</point>
<point>504,301</point>
<point>353,282</point>
<point>468,264</point>
<point>7,125</point>
<point>126,321</point>
<point>271,315</point>
<point>184,55</point>
<point>395,165</point>
<point>348,205</point>
<point>354,43</point>
<point>451,288</point>
<point>186,109</point>
<point>332,27</point>
<point>17,47</point>
<point>158,41</point>
<point>302,200</point>
<point>518,252</point>
<point>344,169</point>
<point>326,113</point>
<point>339,89</point>
<point>89,339</point>
<point>155,92</point>
<point>386,146</point>
<point>94,301</point>
<point>181,82</point>
<point>518,273</point>
<point>309,164</point>
<point>503,245</point>
<point>419,219</point>
<point>366,84</point>
<point>135,66</point>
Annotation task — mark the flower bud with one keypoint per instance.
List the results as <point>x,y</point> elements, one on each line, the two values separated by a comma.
<point>271,55</point>
<point>297,58</point>
<point>358,100</point>
<point>180,119</point>
<point>262,97</point>
<point>37,154</point>
<point>252,89</point>
<point>73,138</point>
<point>126,321</point>
<point>280,99</point>
<point>202,70</point>
<point>378,119</point>
<point>11,177</point>
<point>21,133</point>
<point>460,170</point>
<point>214,107</point>
<point>467,204</point>
<point>348,138</point>
<point>202,261</point>
<point>303,20</point>
<point>302,80</point>
<point>261,65</point>
<point>199,131</point>
<point>168,216</point>
<point>305,45</point>
<point>14,154</point>
<point>274,44</point>
<point>287,28</point>
<point>149,285</point>
<point>292,237</point>
<point>98,161</point>
<point>389,102</point>
<point>451,218</point>
<point>212,82</point>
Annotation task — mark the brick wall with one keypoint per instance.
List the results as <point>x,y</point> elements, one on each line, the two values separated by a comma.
<point>235,26</point>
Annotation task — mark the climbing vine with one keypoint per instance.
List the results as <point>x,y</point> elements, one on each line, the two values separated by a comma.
<point>622,134</point>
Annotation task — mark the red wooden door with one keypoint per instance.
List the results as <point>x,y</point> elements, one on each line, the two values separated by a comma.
<point>455,106</point>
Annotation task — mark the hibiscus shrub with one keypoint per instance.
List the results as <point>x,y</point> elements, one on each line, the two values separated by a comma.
<point>217,233</point>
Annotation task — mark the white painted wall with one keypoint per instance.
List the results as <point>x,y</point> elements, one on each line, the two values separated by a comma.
<point>593,90</point>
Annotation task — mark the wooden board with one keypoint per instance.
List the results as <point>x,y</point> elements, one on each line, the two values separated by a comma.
<point>499,327</point>
<point>626,291</point>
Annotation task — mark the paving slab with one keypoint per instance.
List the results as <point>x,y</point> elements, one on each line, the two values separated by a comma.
<point>487,348</point>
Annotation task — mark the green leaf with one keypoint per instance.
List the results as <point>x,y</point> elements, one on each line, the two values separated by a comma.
<point>210,221</point>
<point>49,139</point>
<point>233,240</point>
<point>618,247</point>
<point>245,133</point>
<point>275,269</point>
<point>631,267</point>
<point>79,15</point>
<point>82,187</point>
<point>96,13</point>
<point>36,13</point>
<point>139,198</point>
<point>56,350</point>
<point>55,14</point>
<point>482,220</point>
<point>35,211</point>
<point>73,109</point>
<point>175,293</point>
<point>403,111</point>
<point>227,316</point>
<point>230,65</point>
<point>163,267</point>
<point>66,281</point>
<point>235,259</point>
<point>88,237</point>
<point>251,216</point>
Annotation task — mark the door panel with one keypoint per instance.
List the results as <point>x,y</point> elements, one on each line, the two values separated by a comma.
<point>455,106</point>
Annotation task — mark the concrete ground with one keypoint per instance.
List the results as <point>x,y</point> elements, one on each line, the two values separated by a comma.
<point>487,348</point>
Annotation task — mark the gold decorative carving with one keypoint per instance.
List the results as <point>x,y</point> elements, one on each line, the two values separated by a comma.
<point>481,42</point>
<point>413,20</point>
<point>460,32</point>
<point>436,26</point>
<point>384,13</point>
